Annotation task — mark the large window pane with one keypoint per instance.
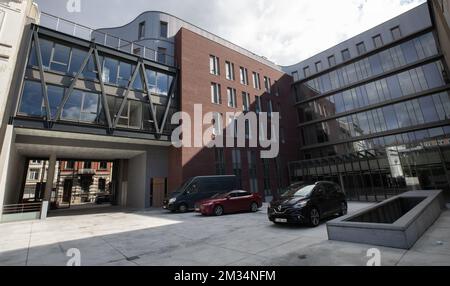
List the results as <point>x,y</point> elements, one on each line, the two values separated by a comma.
<point>151,78</point>
<point>433,74</point>
<point>163,81</point>
<point>110,67</point>
<point>46,52</point>
<point>124,74</point>
<point>31,103</point>
<point>90,71</point>
<point>90,107</point>
<point>76,61</point>
<point>390,117</point>
<point>72,108</point>
<point>135,114</point>
<point>55,95</point>
<point>138,82</point>
<point>60,59</point>
<point>428,109</point>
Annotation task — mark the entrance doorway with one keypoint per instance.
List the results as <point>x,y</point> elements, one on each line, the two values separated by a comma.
<point>77,183</point>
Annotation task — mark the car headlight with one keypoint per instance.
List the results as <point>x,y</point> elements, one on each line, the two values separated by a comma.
<point>300,205</point>
<point>172,200</point>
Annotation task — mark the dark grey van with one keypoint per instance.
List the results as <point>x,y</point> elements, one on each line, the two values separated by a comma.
<point>197,189</point>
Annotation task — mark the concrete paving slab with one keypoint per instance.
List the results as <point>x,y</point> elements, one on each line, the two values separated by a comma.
<point>157,237</point>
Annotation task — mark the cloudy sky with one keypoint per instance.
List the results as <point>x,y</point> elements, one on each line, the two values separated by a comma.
<point>285,31</point>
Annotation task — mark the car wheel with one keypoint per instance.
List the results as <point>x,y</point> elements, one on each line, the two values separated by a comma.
<point>218,210</point>
<point>254,207</point>
<point>183,208</point>
<point>314,217</point>
<point>344,209</point>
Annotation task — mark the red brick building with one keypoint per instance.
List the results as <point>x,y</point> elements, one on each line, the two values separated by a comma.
<point>194,54</point>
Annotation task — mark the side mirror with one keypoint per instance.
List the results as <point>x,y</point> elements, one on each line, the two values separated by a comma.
<point>228,197</point>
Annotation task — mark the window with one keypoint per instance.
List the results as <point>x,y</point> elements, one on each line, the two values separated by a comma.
<point>81,106</point>
<point>70,165</point>
<point>245,101</point>
<point>31,101</point>
<point>60,58</point>
<point>34,174</point>
<point>331,61</point>
<point>267,84</point>
<point>101,185</point>
<point>110,68</point>
<point>345,55</point>
<point>163,83</point>
<point>55,96</point>
<point>215,93</point>
<point>131,116</point>
<point>231,92</point>
<point>46,52</point>
<point>396,33</point>
<point>319,66</point>
<point>244,76</point>
<point>87,165</point>
<point>295,75</point>
<point>163,29</point>
<point>306,71</point>
<point>214,65</point>
<point>124,74</point>
<point>256,81</point>
<point>103,165</point>
<point>90,71</point>
<point>76,60</point>
<point>377,41</point>
<point>229,69</point>
<point>162,52</point>
<point>258,104</point>
<point>361,47</point>
<point>141,30</point>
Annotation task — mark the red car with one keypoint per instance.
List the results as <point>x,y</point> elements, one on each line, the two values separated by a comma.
<point>232,202</point>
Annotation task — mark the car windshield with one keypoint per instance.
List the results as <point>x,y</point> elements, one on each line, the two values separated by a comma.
<point>299,191</point>
<point>182,187</point>
<point>220,196</point>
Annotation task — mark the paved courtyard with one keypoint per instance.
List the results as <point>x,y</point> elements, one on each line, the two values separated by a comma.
<point>156,237</point>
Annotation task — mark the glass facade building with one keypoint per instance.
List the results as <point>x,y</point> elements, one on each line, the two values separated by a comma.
<point>378,124</point>
<point>69,82</point>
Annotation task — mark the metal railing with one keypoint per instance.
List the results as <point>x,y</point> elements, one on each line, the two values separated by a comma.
<point>86,33</point>
<point>22,208</point>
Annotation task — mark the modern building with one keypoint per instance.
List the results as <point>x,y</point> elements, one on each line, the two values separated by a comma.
<point>84,95</point>
<point>95,108</point>
<point>373,112</point>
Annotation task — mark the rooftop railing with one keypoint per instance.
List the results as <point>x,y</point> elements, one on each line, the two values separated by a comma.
<point>71,28</point>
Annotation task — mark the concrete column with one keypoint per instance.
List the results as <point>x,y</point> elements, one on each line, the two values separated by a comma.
<point>50,177</point>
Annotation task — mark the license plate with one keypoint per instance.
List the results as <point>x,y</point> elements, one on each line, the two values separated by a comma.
<point>282,220</point>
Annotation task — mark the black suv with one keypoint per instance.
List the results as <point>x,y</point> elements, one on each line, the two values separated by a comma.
<point>308,203</point>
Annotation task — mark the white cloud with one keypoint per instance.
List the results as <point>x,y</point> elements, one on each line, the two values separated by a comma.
<point>285,31</point>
